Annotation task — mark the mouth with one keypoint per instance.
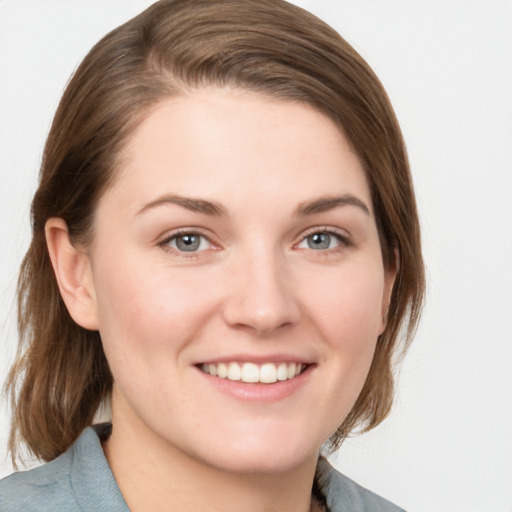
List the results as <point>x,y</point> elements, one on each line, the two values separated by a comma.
<point>266,373</point>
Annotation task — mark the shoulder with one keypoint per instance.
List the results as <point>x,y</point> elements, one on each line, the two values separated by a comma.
<point>44,488</point>
<point>343,494</point>
<point>78,480</point>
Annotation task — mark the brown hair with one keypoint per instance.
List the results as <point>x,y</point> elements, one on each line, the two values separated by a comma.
<point>61,375</point>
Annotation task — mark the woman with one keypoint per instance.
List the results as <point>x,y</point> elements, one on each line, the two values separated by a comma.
<point>226,247</point>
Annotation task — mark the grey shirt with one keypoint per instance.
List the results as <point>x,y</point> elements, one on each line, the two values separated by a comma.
<point>80,480</point>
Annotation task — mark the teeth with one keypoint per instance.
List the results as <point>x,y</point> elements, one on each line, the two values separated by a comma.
<point>250,373</point>
<point>267,373</point>
<point>234,371</point>
<point>282,372</point>
<point>222,370</point>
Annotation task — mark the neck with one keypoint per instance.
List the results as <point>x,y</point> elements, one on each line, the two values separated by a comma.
<point>153,475</point>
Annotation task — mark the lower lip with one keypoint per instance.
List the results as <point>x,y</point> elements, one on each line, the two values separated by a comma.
<point>259,392</point>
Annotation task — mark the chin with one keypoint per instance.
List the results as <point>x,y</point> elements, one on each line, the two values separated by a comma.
<point>263,453</point>
<point>258,462</point>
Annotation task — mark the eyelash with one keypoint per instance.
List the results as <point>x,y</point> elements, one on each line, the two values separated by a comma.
<point>165,243</point>
<point>343,240</point>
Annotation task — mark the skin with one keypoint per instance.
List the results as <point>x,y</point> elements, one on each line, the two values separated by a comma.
<point>255,290</point>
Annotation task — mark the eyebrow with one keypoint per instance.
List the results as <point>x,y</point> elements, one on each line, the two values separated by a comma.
<point>319,205</point>
<point>190,203</point>
<point>324,204</point>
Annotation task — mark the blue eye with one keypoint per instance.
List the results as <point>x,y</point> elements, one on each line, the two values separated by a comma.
<point>188,242</point>
<point>320,241</point>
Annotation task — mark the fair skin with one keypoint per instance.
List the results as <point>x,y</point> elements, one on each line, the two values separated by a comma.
<point>239,231</point>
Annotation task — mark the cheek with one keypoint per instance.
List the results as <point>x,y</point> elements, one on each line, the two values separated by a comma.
<point>345,309</point>
<point>348,305</point>
<point>147,313</point>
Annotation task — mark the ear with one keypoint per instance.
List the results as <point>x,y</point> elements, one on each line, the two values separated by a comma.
<point>73,272</point>
<point>390,274</point>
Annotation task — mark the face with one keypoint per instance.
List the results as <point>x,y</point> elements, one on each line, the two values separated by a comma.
<point>238,280</point>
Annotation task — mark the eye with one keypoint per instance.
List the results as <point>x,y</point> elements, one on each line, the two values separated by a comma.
<point>322,241</point>
<point>187,242</point>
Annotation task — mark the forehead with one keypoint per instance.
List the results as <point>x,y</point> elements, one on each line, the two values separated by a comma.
<point>234,146</point>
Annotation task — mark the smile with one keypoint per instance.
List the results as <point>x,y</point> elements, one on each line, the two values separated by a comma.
<point>266,373</point>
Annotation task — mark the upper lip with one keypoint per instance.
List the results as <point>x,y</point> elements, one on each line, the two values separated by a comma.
<point>257,359</point>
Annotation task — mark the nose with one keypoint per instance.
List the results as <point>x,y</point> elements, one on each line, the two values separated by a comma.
<point>261,297</point>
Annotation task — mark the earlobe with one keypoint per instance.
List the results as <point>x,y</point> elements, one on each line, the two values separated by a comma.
<point>73,272</point>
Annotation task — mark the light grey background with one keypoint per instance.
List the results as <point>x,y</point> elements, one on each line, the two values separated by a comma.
<point>447,66</point>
